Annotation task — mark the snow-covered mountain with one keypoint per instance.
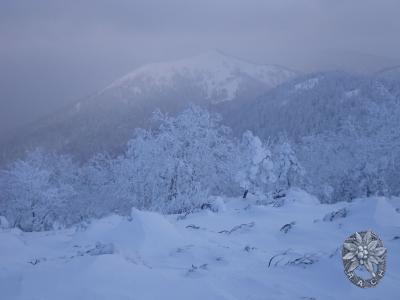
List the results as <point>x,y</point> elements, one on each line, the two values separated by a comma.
<point>220,77</point>
<point>105,121</point>
<point>237,250</point>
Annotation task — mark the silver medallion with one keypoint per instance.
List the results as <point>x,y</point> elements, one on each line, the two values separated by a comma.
<point>363,252</point>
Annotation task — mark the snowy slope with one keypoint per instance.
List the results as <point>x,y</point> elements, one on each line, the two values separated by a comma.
<point>237,252</point>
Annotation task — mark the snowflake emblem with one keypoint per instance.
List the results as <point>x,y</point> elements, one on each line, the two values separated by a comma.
<point>364,250</point>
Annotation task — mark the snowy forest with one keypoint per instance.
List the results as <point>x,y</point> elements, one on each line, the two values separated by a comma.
<point>171,169</point>
<point>181,161</point>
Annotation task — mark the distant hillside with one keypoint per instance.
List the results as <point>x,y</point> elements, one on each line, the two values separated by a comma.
<point>346,128</point>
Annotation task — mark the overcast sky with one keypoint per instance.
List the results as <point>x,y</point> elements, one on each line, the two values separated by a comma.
<point>53,52</point>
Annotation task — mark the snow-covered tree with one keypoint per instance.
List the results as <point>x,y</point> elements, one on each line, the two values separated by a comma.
<point>256,170</point>
<point>37,190</point>
<point>100,187</point>
<point>287,168</point>
<point>182,161</point>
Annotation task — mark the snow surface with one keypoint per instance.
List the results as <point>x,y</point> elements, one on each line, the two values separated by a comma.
<point>240,251</point>
<point>217,73</point>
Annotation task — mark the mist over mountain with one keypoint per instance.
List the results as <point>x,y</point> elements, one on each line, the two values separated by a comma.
<point>105,121</point>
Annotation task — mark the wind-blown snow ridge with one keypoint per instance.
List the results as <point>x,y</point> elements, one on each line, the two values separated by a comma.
<point>215,72</point>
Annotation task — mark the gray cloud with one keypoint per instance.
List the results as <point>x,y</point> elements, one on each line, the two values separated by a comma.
<point>53,52</point>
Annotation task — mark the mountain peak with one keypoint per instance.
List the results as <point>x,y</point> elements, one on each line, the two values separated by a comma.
<point>215,71</point>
